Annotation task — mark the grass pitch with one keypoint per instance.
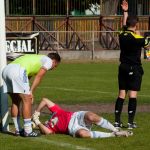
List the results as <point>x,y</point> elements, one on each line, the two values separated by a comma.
<point>81,83</point>
<point>91,82</point>
<point>139,141</point>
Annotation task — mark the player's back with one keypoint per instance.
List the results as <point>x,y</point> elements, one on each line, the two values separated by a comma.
<point>130,45</point>
<point>31,63</point>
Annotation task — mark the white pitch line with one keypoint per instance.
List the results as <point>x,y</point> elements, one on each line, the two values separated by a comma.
<point>74,90</point>
<point>91,91</point>
<point>62,144</point>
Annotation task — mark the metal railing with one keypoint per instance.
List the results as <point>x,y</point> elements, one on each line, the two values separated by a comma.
<point>78,41</point>
<point>73,33</point>
<point>71,23</point>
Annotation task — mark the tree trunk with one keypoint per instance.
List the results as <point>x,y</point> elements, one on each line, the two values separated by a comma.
<point>109,7</point>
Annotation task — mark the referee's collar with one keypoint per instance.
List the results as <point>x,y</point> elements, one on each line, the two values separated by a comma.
<point>130,31</point>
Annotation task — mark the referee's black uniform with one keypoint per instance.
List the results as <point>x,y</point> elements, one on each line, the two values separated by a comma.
<point>130,69</point>
<point>130,72</point>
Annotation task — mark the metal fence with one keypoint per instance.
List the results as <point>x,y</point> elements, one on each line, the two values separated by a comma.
<point>73,33</point>
<point>40,23</point>
<point>78,41</point>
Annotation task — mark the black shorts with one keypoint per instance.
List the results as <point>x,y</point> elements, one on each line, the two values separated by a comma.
<point>130,77</point>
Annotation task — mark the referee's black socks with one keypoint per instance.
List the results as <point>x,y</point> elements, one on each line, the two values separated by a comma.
<point>131,109</point>
<point>118,109</point>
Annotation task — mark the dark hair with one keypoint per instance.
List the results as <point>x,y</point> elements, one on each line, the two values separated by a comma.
<point>132,21</point>
<point>54,56</point>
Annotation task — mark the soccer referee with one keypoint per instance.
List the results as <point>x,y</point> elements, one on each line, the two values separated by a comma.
<point>130,70</point>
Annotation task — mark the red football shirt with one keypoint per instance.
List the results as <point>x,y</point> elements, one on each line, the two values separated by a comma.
<point>59,120</point>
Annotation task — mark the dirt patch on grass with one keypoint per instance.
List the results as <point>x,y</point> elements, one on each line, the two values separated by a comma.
<point>103,108</point>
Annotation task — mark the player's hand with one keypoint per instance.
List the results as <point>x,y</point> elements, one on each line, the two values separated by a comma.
<point>35,118</point>
<point>124,5</point>
<point>32,100</point>
<point>36,114</point>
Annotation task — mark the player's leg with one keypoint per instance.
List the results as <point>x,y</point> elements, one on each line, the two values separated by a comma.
<point>118,107</point>
<point>82,133</point>
<point>26,112</point>
<point>132,109</point>
<point>15,112</point>
<point>92,118</point>
<point>80,125</point>
<point>27,103</point>
<point>134,86</point>
<point>122,82</point>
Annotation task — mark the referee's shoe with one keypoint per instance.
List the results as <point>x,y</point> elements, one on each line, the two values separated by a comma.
<point>118,125</point>
<point>132,125</point>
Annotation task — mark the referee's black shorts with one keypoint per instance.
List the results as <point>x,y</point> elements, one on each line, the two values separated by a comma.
<point>130,77</point>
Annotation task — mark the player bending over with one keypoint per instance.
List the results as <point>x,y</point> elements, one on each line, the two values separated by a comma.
<point>76,124</point>
<point>16,76</point>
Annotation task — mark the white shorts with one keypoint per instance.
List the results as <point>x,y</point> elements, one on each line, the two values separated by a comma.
<point>15,79</point>
<point>77,122</point>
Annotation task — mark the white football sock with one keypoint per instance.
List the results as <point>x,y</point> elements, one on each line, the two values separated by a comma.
<point>107,125</point>
<point>16,121</point>
<point>97,134</point>
<point>27,125</point>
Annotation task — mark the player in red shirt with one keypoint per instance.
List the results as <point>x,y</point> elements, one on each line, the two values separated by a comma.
<point>76,124</point>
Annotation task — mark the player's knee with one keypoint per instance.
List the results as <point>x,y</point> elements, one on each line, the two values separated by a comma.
<point>132,94</point>
<point>91,116</point>
<point>82,134</point>
<point>122,94</point>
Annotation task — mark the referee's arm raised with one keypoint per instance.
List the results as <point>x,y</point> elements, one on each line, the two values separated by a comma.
<point>124,6</point>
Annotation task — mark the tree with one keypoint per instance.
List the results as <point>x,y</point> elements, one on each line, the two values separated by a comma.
<point>81,5</point>
<point>109,7</point>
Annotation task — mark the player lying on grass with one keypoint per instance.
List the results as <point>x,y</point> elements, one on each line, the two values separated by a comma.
<point>76,124</point>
